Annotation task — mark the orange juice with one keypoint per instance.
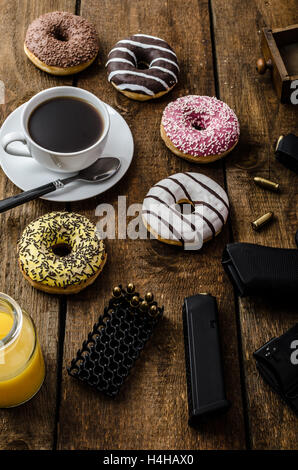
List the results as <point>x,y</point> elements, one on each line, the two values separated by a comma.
<point>6,323</point>
<point>22,368</point>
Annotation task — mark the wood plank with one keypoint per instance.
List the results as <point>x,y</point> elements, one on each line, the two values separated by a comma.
<point>32,425</point>
<point>151,410</point>
<point>262,120</point>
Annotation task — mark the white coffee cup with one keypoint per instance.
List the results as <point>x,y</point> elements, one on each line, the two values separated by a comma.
<point>61,162</point>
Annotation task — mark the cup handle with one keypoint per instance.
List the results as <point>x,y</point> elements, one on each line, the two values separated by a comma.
<point>15,137</point>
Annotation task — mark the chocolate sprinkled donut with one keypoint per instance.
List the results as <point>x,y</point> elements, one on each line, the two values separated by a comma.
<point>142,67</point>
<point>61,43</point>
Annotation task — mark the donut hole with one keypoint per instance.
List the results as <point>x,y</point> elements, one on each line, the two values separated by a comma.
<point>61,249</point>
<point>185,206</point>
<point>60,34</point>
<point>197,125</point>
<point>142,65</point>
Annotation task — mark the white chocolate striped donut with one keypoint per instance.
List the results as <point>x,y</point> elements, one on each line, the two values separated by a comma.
<point>138,83</point>
<point>164,218</point>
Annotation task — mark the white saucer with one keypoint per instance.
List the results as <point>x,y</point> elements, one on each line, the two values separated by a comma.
<point>26,173</point>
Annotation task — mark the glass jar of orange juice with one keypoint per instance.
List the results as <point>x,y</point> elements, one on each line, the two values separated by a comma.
<point>22,368</point>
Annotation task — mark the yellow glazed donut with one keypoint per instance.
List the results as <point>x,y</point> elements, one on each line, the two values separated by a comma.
<point>61,43</point>
<point>61,253</point>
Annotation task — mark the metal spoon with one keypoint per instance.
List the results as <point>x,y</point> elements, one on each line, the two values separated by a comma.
<point>102,169</point>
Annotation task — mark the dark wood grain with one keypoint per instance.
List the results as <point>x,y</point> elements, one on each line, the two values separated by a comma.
<point>151,411</point>
<point>262,119</point>
<point>32,425</point>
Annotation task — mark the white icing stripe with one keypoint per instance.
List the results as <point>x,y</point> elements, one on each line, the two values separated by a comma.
<point>165,70</point>
<point>138,74</point>
<point>165,60</point>
<point>146,46</point>
<point>218,192</point>
<point>119,60</point>
<point>147,36</point>
<point>124,49</point>
<point>133,87</point>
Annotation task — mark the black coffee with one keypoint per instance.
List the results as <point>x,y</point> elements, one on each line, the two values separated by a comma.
<point>65,125</point>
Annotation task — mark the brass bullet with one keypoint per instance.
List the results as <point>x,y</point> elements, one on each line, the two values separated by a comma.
<point>144,306</point>
<point>153,310</point>
<point>134,301</point>
<point>261,221</point>
<point>149,297</point>
<point>278,141</point>
<point>116,291</point>
<point>130,288</point>
<point>267,184</point>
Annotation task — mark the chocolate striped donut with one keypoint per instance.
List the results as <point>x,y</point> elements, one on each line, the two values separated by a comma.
<point>128,59</point>
<point>164,218</point>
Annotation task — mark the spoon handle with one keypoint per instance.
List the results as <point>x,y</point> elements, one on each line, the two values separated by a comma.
<point>29,195</point>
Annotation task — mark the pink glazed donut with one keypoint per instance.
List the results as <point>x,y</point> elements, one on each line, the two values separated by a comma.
<point>201,129</point>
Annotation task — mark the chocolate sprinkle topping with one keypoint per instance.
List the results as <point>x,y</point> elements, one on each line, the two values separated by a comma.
<point>41,264</point>
<point>61,39</point>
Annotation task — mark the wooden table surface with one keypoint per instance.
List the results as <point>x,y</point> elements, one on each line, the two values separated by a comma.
<point>217,44</point>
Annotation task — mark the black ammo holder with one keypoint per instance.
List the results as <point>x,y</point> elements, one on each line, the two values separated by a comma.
<point>277,363</point>
<point>205,382</point>
<point>287,152</point>
<point>115,342</point>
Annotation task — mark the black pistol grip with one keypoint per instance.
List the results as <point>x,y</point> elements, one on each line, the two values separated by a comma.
<point>257,269</point>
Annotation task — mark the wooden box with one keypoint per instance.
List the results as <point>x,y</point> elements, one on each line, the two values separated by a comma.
<point>280,55</point>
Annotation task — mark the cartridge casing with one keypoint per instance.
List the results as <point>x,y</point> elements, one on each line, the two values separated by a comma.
<point>261,221</point>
